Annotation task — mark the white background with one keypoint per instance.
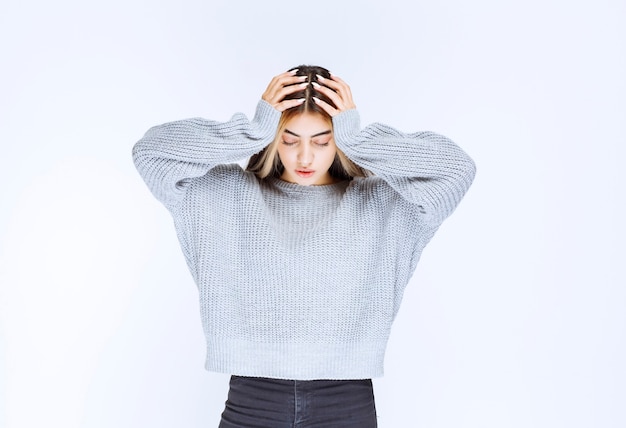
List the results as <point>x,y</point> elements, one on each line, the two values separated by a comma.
<point>515,316</point>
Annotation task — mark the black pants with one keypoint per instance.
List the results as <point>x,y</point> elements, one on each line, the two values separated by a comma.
<point>275,403</point>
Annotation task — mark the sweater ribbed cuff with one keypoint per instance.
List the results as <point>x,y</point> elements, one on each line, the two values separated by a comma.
<point>346,125</point>
<point>266,120</point>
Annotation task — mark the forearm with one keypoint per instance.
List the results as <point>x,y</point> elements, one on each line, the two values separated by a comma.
<point>171,153</point>
<point>425,168</point>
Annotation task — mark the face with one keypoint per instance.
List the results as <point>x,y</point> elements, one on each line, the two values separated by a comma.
<point>307,150</point>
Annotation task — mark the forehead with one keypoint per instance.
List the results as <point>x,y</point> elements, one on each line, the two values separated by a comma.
<point>307,124</point>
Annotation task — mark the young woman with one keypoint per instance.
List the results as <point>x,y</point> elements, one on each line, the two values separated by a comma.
<point>302,258</point>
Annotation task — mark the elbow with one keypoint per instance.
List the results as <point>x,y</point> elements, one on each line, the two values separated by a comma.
<point>138,154</point>
<point>465,172</point>
<point>470,171</point>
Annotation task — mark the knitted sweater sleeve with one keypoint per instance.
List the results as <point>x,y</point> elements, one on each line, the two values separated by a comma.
<point>424,168</point>
<point>169,155</point>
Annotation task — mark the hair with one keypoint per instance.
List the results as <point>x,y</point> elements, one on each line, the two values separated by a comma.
<point>267,163</point>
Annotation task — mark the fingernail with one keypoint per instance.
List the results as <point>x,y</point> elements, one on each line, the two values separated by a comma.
<point>294,71</point>
<point>302,77</point>
<point>316,99</point>
<point>320,77</point>
<point>317,85</point>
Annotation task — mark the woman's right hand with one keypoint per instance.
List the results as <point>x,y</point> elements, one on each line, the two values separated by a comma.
<point>283,85</point>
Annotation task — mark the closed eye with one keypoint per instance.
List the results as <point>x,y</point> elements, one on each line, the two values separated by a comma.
<point>322,141</point>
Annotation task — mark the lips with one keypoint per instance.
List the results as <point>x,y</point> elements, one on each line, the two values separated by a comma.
<point>305,172</point>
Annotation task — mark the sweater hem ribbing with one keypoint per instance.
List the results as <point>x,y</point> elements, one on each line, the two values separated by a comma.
<point>329,362</point>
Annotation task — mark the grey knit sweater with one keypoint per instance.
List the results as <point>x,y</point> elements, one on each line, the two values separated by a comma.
<point>300,282</point>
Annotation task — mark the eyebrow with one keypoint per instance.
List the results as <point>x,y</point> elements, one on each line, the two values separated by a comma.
<point>312,136</point>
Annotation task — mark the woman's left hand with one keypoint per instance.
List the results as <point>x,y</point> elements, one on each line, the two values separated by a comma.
<point>339,93</point>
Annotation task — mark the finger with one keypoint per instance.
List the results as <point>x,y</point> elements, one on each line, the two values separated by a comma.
<point>279,86</point>
<point>335,97</point>
<point>292,86</point>
<point>337,79</point>
<point>326,107</point>
<point>332,83</point>
<point>282,92</point>
<point>287,104</point>
<point>285,74</point>
<point>337,84</point>
<point>282,85</point>
<point>275,82</point>
<point>282,80</point>
<point>341,89</point>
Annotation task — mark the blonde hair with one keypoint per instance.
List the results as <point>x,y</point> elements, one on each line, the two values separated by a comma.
<point>267,163</point>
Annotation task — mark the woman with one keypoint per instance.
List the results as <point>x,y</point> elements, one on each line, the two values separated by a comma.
<point>301,259</point>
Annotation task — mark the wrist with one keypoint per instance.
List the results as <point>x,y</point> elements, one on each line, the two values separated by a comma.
<point>266,120</point>
<point>346,125</point>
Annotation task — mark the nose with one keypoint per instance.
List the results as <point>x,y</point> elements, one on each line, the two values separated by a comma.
<point>305,156</point>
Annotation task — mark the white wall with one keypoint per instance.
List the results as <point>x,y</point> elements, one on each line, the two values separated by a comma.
<point>515,316</point>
